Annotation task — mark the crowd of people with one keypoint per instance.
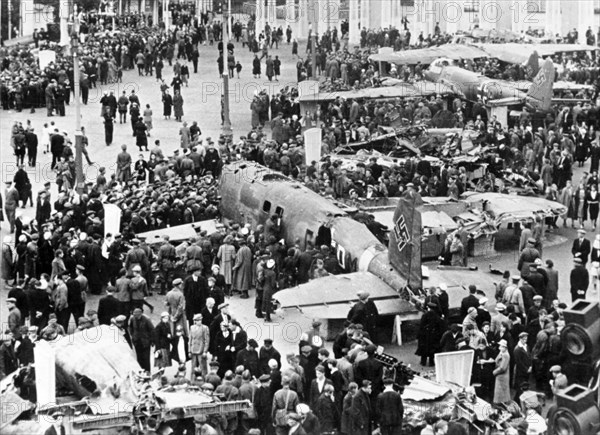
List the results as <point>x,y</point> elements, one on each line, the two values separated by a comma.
<point>54,261</point>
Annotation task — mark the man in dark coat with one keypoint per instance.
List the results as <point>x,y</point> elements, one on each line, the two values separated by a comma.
<point>305,261</point>
<point>108,307</point>
<point>317,386</point>
<point>249,358</point>
<point>390,409</point>
<point>522,359</point>
<point>364,312</point>
<point>579,279</point>
<point>93,266</point>
<point>327,411</point>
<point>469,301</point>
<point>581,247</point>
<point>343,340</point>
<point>431,330</point>
<point>450,338</point>
<point>266,353</point>
<point>263,401</point>
<point>370,369</point>
<point>141,332</point>
<point>32,144</point>
<point>8,358</point>
<point>361,411</point>
<point>195,291</point>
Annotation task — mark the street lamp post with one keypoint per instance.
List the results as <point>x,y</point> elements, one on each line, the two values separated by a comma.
<point>226,130</point>
<point>79,179</point>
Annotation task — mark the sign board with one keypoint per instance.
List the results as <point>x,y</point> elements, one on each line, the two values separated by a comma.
<point>46,56</point>
<point>45,373</point>
<point>112,219</point>
<point>312,145</point>
<point>454,367</point>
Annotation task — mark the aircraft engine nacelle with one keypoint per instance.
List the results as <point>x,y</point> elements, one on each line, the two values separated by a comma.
<point>575,413</point>
<point>581,334</point>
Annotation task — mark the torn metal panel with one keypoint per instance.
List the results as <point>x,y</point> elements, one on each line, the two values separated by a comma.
<point>421,389</point>
<point>180,233</point>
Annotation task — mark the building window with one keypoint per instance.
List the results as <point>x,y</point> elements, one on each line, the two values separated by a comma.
<point>471,6</point>
<point>536,6</point>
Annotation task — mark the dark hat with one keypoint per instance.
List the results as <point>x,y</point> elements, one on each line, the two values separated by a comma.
<point>252,342</point>
<point>265,378</point>
<point>268,340</point>
<point>371,349</point>
<point>214,364</point>
<point>316,323</point>
<point>366,383</point>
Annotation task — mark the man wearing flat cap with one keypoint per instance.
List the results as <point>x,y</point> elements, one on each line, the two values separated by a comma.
<point>263,402</point>
<point>559,381</point>
<point>364,312</point>
<point>248,357</point>
<point>175,302</point>
<point>199,345</point>
<point>579,280</point>
<point>528,256</point>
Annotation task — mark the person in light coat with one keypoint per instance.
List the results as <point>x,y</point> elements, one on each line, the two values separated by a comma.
<point>242,269</point>
<point>175,302</point>
<point>502,374</point>
<point>199,342</point>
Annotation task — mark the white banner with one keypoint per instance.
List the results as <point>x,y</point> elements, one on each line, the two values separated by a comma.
<point>46,56</point>
<point>45,373</point>
<point>312,145</point>
<point>112,219</point>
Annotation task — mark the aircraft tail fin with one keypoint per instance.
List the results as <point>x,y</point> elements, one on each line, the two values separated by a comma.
<point>405,240</point>
<point>532,66</point>
<point>540,94</point>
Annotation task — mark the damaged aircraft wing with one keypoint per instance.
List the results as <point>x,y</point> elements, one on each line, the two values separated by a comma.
<point>340,293</point>
<point>509,208</point>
